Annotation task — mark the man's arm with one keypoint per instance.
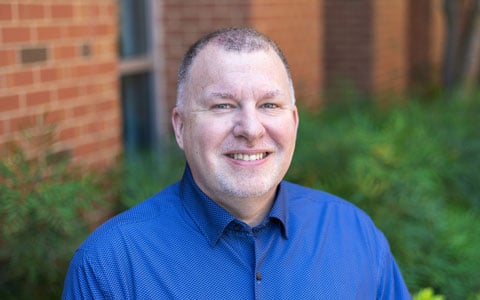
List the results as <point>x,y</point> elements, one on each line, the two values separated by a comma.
<point>391,283</point>
<point>82,282</point>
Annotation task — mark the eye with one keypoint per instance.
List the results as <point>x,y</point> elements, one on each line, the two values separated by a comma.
<point>223,106</point>
<point>269,105</point>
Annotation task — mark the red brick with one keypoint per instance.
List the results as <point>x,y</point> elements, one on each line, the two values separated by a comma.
<point>16,34</point>
<point>84,70</point>
<point>38,98</point>
<point>21,78</point>
<point>55,116</point>
<point>104,29</point>
<point>89,10</point>
<point>22,122</point>
<point>7,57</point>
<point>5,12</point>
<point>68,92</point>
<point>3,130</point>
<point>68,133</point>
<point>79,31</point>
<point>62,11</point>
<point>108,67</point>
<point>110,10</point>
<point>48,33</point>
<point>81,111</point>
<point>95,127</point>
<point>31,11</point>
<point>93,88</point>
<point>8,103</point>
<point>112,142</point>
<point>65,51</point>
<point>105,106</point>
<point>86,148</point>
<point>48,74</point>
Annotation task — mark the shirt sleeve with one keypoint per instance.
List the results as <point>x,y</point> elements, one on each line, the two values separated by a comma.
<point>391,285</point>
<point>82,282</point>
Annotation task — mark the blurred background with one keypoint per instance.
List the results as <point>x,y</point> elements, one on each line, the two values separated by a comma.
<point>388,94</point>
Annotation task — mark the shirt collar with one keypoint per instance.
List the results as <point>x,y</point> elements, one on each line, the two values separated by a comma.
<point>211,219</point>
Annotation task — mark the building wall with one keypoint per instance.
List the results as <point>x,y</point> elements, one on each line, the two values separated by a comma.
<point>425,35</point>
<point>184,22</point>
<point>58,58</point>
<point>58,63</point>
<point>295,27</point>
<point>348,44</point>
<point>380,47</point>
<point>300,35</point>
<point>390,69</point>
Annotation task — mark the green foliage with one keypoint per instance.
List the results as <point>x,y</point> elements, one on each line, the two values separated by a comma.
<point>414,168</point>
<point>41,202</point>
<point>138,177</point>
<point>427,294</point>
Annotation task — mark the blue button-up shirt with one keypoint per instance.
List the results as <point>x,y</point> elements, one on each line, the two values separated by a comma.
<point>180,244</point>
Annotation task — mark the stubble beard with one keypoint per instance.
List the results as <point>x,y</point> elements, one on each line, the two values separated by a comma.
<point>244,185</point>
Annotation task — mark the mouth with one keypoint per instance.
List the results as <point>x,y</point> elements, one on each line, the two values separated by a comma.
<point>248,157</point>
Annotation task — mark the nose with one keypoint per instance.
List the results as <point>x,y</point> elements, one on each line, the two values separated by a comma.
<point>249,125</point>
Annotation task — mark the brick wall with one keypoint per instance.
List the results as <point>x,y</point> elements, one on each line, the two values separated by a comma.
<point>185,21</point>
<point>425,32</point>
<point>348,44</point>
<point>295,27</point>
<point>58,58</point>
<point>380,46</point>
<point>298,31</point>
<point>58,62</point>
<point>437,35</point>
<point>390,69</point>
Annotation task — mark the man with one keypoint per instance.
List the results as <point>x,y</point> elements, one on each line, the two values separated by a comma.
<point>231,228</point>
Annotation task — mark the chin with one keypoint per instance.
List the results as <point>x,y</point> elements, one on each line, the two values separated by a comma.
<point>251,189</point>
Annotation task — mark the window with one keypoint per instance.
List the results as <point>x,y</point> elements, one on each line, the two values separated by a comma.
<point>136,94</point>
<point>136,46</point>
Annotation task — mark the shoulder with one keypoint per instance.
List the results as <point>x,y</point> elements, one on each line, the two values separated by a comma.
<point>300,196</point>
<point>105,258</point>
<point>314,208</point>
<point>152,212</point>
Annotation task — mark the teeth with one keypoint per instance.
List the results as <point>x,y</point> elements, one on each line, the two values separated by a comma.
<point>248,157</point>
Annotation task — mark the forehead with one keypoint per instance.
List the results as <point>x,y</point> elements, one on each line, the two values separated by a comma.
<point>215,65</point>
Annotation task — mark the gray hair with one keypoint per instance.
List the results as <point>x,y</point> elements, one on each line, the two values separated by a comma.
<point>232,40</point>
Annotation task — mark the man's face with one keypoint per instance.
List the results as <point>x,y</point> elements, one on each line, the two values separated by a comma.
<point>237,125</point>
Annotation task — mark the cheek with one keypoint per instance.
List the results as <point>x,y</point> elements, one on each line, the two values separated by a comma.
<point>204,136</point>
<point>283,133</point>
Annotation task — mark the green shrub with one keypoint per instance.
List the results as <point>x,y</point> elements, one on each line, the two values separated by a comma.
<point>427,294</point>
<point>41,204</point>
<point>138,177</point>
<point>414,168</point>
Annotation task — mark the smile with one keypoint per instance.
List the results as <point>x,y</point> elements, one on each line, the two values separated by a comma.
<point>248,157</point>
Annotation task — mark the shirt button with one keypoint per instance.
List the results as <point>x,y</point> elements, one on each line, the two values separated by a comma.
<point>258,276</point>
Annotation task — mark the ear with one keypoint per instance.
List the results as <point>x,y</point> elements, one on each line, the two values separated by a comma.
<point>296,118</point>
<point>177,123</point>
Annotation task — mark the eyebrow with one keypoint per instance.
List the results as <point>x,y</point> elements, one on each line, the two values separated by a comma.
<point>227,95</point>
<point>222,95</point>
<point>271,94</point>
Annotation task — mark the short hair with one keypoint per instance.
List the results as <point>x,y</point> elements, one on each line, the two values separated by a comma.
<point>235,39</point>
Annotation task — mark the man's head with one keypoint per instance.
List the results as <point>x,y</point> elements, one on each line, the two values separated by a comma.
<point>230,39</point>
<point>235,118</point>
